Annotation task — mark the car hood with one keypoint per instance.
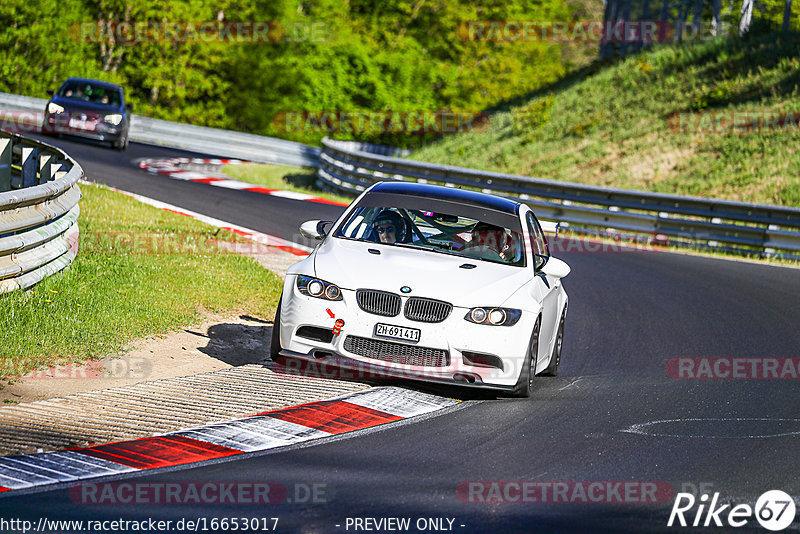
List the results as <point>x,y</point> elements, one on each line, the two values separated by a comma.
<point>429,274</point>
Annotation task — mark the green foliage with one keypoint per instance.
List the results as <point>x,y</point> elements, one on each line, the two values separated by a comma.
<point>38,49</point>
<point>392,55</point>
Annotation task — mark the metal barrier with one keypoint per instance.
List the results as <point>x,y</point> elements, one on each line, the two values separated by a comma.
<point>38,211</point>
<point>690,221</point>
<point>222,143</point>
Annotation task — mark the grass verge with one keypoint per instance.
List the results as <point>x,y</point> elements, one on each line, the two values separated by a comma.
<point>140,271</point>
<point>283,178</point>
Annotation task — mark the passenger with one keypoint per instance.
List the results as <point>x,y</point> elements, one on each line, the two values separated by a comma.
<point>488,242</point>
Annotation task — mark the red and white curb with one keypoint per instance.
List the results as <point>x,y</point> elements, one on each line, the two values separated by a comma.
<point>260,432</point>
<point>171,167</point>
<point>259,237</point>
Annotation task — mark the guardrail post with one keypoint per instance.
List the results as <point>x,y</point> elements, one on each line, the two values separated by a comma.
<point>45,168</point>
<point>29,166</point>
<point>5,164</point>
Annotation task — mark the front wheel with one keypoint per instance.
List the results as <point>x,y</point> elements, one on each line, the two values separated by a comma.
<point>275,340</point>
<point>122,144</point>
<point>524,386</point>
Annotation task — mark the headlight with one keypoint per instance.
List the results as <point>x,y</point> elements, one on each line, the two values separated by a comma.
<point>54,109</point>
<point>114,119</point>
<point>320,289</point>
<point>493,316</point>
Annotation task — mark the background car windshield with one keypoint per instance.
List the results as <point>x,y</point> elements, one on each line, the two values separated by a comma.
<point>88,92</point>
<point>448,233</point>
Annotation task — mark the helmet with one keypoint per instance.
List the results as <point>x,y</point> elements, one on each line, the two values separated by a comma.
<point>387,215</point>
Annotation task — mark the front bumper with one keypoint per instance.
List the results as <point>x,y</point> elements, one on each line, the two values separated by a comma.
<point>99,131</point>
<point>460,339</point>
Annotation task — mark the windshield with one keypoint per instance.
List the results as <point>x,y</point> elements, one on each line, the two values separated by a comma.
<point>470,232</point>
<point>88,92</point>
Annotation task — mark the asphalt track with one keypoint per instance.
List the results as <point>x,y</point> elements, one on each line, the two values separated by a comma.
<point>630,313</point>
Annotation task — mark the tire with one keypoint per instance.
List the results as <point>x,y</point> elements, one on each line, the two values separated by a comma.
<point>275,340</point>
<point>524,386</point>
<point>555,358</point>
<point>122,144</point>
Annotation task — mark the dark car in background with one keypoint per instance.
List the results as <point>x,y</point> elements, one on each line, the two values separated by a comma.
<point>91,109</point>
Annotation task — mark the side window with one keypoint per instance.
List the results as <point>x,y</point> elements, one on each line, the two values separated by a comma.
<point>538,243</point>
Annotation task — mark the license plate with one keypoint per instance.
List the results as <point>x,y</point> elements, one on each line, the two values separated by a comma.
<point>397,332</point>
<point>81,124</point>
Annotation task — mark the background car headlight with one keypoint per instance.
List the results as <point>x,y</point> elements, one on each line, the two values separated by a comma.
<point>54,109</point>
<point>320,289</point>
<point>114,119</point>
<point>493,316</point>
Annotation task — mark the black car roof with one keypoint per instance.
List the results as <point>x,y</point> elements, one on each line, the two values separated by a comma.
<point>95,82</point>
<point>448,193</point>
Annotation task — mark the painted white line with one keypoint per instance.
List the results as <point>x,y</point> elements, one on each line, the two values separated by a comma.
<point>230,184</point>
<point>187,175</point>
<point>291,194</point>
<point>673,428</point>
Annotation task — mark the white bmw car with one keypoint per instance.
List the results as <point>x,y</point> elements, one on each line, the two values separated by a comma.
<point>430,283</point>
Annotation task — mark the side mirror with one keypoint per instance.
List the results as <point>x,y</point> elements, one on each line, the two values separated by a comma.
<point>129,107</point>
<point>51,92</point>
<point>556,268</point>
<point>314,229</point>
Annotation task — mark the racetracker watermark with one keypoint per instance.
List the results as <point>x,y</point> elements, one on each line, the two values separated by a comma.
<point>206,493</point>
<point>381,122</point>
<point>333,366</point>
<point>129,367</point>
<point>581,244</point>
<point>104,243</point>
<point>133,32</point>
<point>567,492</point>
<point>727,368</point>
<point>560,31</point>
<point>734,122</point>
<point>21,122</point>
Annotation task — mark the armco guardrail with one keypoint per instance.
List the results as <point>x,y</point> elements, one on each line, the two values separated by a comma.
<point>222,143</point>
<point>695,221</point>
<point>38,211</point>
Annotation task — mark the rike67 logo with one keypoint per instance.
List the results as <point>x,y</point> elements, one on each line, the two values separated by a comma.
<point>774,510</point>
